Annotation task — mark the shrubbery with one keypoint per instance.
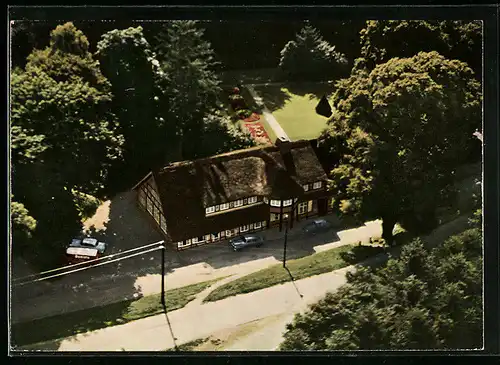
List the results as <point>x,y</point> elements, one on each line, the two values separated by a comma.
<point>425,299</point>
<point>85,204</point>
<point>243,113</point>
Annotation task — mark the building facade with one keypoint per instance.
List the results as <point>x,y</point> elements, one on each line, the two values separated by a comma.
<point>212,199</point>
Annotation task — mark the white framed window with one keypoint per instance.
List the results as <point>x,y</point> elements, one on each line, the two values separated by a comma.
<point>209,210</point>
<point>152,191</point>
<point>236,231</point>
<point>244,228</point>
<point>265,200</point>
<point>317,185</point>
<point>275,217</point>
<point>238,203</point>
<point>257,225</point>
<point>229,233</point>
<point>142,197</point>
<point>305,187</point>
<point>287,203</point>
<point>275,203</point>
<point>264,223</point>
<point>182,244</point>
<point>156,214</point>
<point>201,239</point>
<point>302,208</point>
<point>194,240</point>
<point>163,223</point>
<point>215,237</point>
<point>224,206</point>
<point>149,205</point>
<point>252,199</point>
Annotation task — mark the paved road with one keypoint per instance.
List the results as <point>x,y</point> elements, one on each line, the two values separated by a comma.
<point>141,275</point>
<point>201,320</point>
<point>193,322</point>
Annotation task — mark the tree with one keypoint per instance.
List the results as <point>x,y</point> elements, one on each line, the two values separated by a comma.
<point>129,63</point>
<point>425,299</point>
<point>22,225</point>
<point>396,137</point>
<point>63,138</point>
<point>309,57</point>
<point>192,86</point>
<point>63,100</point>
<point>382,40</point>
<point>220,135</point>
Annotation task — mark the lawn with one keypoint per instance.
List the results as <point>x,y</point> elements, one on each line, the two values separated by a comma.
<point>82,321</point>
<point>293,106</point>
<point>318,263</point>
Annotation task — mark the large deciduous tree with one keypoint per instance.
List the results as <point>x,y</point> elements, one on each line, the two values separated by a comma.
<point>396,137</point>
<point>310,58</point>
<point>63,100</point>
<point>382,40</point>
<point>63,136</point>
<point>425,299</point>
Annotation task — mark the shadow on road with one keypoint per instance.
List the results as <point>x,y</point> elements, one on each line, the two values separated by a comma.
<point>292,279</point>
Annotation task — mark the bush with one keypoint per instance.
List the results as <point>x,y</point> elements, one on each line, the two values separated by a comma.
<point>360,253</point>
<point>23,226</point>
<point>243,113</point>
<point>85,204</point>
<point>237,102</point>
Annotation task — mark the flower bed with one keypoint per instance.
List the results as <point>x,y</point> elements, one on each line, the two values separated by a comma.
<point>240,107</point>
<point>257,131</point>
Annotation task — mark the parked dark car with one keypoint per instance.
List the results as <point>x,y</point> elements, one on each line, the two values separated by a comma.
<point>317,226</point>
<point>241,242</point>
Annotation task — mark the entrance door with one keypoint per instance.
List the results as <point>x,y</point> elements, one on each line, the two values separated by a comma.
<point>322,206</point>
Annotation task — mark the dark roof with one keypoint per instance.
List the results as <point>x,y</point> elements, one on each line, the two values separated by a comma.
<point>186,188</point>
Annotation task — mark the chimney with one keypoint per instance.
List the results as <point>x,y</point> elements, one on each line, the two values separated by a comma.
<point>283,144</point>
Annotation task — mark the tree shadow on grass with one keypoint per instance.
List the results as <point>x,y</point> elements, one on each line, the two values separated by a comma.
<point>376,257</point>
<point>274,97</point>
<point>312,89</point>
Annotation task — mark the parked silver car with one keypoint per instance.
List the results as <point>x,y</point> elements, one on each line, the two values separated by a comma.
<point>241,242</point>
<point>317,226</point>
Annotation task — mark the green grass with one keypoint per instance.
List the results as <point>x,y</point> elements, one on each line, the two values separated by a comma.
<point>188,346</point>
<point>301,268</point>
<point>294,108</point>
<point>69,324</point>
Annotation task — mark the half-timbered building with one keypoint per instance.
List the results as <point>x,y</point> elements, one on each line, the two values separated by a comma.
<point>216,198</point>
